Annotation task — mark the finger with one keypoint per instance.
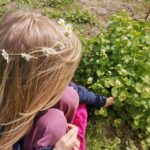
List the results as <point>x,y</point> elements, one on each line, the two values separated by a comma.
<point>70,126</point>
<point>71,133</point>
<point>69,140</point>
<point>72,143</point>
<point>78,143</point>
<point>75,148</point>
<point>73,140</point>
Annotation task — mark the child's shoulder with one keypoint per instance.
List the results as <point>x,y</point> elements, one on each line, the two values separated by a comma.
<point>69,92</point>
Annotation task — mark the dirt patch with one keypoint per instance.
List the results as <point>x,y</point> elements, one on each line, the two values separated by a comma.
<point>105,8</point>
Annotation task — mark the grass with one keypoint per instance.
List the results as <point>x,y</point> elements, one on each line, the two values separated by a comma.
<point>3,4</point>
<point>101,135</point>
<point>27,3</point>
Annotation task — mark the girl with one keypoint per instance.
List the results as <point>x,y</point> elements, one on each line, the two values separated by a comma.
<point>37,137</point>
<point>38,58</point>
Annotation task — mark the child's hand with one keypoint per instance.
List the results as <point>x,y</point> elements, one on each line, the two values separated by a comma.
<point>110,101</point>
<point>69,140</point>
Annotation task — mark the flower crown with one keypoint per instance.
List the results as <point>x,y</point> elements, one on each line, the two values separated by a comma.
<point>68,29</point>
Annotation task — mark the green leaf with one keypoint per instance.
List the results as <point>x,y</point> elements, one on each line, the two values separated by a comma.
<point>114,92</point>
<point>148,128</point>
<point>103,112</point>
<point>123,95</point>
<point>117,122</point>
<point>138,87</point>
<point>89,80</point>
<point>118,83</point>
<point>99,73</point>
<point>146,79</point>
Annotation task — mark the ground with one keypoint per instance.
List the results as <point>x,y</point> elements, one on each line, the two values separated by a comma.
<point>101,133</point>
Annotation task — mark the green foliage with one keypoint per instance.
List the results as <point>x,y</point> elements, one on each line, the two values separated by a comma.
<point>2,7</point>
<point>28,3</point>
<point>2,12</point>
<point>117,62</point>
<point>130,145</point>
<point>3,2</point>
<point>98,136</point>
<point>75,16</point>
<point>79,16</point>
<point>57,3</point>
<point>102,74</point>
<point>103,136</point>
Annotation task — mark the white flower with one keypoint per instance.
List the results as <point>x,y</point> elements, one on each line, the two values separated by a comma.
<point>109,72</point>
<point>129,27</point>
<point>60,45</point>
<point>103,51</point>
<point>47,51</point>
<point>61,22</point>
<point>5,55</point>
<point>27,57</point>
<point>124,38</point>
<point>68,29</point>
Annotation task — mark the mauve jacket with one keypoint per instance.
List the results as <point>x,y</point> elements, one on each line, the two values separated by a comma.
<point>86,97</point>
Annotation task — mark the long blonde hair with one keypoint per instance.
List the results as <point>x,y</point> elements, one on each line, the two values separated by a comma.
<point>29,87</point>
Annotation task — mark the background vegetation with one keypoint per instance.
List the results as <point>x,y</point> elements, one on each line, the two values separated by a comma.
<point>116,61</point>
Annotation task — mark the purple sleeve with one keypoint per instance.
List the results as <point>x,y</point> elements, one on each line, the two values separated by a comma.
<point>88,97</point>
<point>18,147</point>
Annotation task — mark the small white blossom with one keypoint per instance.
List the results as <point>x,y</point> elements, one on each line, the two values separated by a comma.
<point>119,65</point>
<point>129,18</point>
<point>61,22</point>
<point>103,51</point>
<point>27,57</point>
<point>109,72</point>
<point>129,27</point>
<point>68,29</point>
<point>5,55</point>
<point>47,51</point>
<point>124,38</point>
<point>60,45</point>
